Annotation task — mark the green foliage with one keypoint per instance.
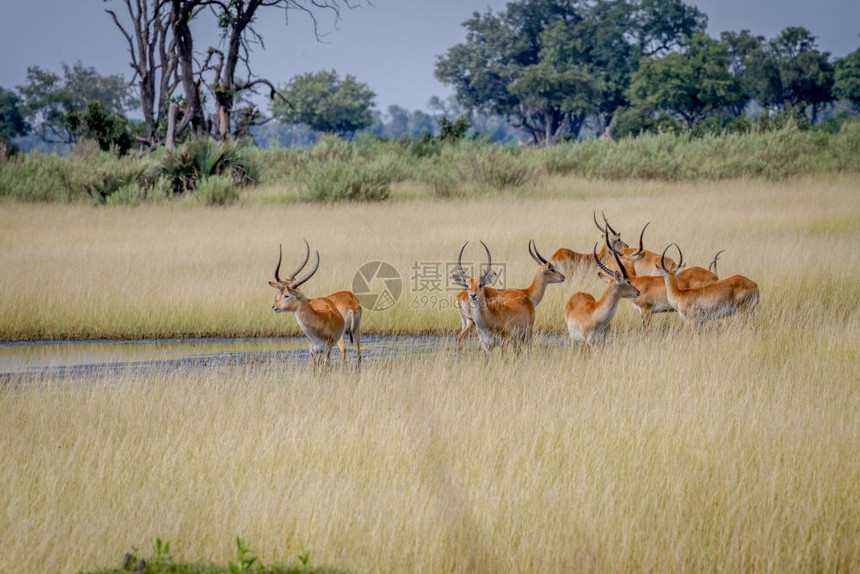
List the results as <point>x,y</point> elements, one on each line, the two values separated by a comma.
<point>791,72</point>
<point>347,180</point>
<point>548,63</point>
<point>325,103</point>
<point>162,562</point>
<point>497,168</point>
<point>109,130</point>
<point>217,190</point>
<point>640,120</point>
<point>847,78</point>
<point>692,84</point>
<point>12,121</point>
<point>48,98</point>
<point>245,557</point>
<point>455,131</point>
<point>202,157</point>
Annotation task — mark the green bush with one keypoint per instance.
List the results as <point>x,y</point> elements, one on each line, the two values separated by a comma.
<point>202,157</point>
<point>217,190</point>
<point>352,180</point>
<point>498,167</point>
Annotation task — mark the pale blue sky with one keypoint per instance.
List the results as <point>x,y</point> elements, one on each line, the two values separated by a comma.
<point>392,46</point>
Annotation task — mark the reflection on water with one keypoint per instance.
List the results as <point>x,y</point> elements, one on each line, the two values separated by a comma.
<point>67,357</point>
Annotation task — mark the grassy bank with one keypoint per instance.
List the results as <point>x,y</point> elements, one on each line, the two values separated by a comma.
<point>372,170</point>
<point>171,271</point>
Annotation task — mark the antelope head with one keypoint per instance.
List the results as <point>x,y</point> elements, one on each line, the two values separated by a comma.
<point>288,297</point>
<point>550,273</point>
<point>613,237</point>
<point>474,286</point>
<point>664,271</point>
<point>618,278</point>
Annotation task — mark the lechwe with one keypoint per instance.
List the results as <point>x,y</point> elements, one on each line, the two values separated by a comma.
<point>323,320</point>
<point>736,294</point>
<point>506,319</point>
<point>546,274</point>
<point>588,319</point>
<point>571,262</point>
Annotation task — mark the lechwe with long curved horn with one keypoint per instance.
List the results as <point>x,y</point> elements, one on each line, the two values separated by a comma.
<point>736,294</point>
<point>570,261</point>
<point>546,274</point>
<point>323,320</point>
<point>588,319</point>
<point>500,319</point>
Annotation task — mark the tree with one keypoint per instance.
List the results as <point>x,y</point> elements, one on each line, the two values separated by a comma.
<point>547,65</point>
<point>109,131</point>
<point>792,73</point>
<point>12,122</point>
<point>847,78</point>
<point>48,98</point>
<point>164,56</point>
<point>692,84</point>
<point>326,103</point>
<point>147,28</point>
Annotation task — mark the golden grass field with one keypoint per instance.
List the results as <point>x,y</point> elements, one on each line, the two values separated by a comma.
<point>732,449</point>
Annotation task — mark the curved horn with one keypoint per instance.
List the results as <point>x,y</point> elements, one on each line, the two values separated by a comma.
<point>278,268</point>
<point>600,264</point>
<point>489,268</point>
<point>531,251</point>
<point>460,269</point>
<point>594,216</point>
<point>681,255</point>
<point>292,275</point>
<point>713,266</point>
<point>663,258</point>
<point>295,284</point>
<point>536,254</point>
<point>620,265</point>
<point>607,224</point>
<point>641,235</point>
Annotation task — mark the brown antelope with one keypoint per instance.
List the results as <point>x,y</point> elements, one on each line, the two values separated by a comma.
<point>501,319</point>
<point>570,261</point>
<point>652,288</point>
<point>587,319</point>
<point>546,274</point>
<point>736,294</point>
<point>323,320</point>
<point>641,261</point>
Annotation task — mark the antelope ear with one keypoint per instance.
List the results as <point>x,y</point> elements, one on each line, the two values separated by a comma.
<point>276,285</point>
<point>636,257</point>
<point>460,280</point>
<point>603,276</point>
<point>489,278</point>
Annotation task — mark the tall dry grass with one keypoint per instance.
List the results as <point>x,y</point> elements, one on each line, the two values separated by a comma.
<point>734,449</point>
<point>165,271</point>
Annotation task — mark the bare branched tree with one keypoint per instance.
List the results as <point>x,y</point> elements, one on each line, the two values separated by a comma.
<point>148,29</point>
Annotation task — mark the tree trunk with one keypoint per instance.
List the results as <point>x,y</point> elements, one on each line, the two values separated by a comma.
<point>182,12</point>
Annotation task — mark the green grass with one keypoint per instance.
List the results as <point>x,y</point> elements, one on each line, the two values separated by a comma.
<point>368,169</point>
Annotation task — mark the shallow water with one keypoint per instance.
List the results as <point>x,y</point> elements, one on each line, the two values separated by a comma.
<point>69,357</point>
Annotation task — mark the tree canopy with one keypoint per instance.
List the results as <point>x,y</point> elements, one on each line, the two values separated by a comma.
<point>549,64</point>
<point>48,98</point>
<point>326,103</point>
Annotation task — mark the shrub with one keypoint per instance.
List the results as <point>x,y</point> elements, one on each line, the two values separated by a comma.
<point>200,158</point>
<point>354,180</point>
<point>499,167</point>
<point>217,190</point>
